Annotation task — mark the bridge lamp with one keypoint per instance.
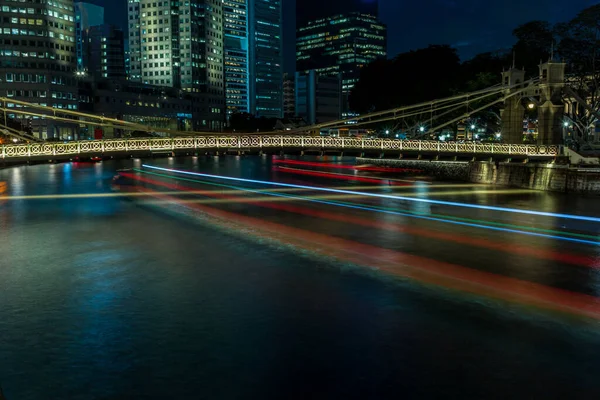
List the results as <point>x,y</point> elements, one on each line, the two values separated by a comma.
<point>531,106</point>
<point>566,124</point>
<point>422,129</point>
<point>15,140</point>
<point>498,135</point>
<point>472,127</point>
<point>387,132</point>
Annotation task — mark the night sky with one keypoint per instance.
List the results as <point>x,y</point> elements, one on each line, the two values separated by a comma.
<point>472,26</point>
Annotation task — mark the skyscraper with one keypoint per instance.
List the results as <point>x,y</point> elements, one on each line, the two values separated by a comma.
<point>311,10</point>
<point>235,13</point>
<point>180,45</point>
<point>86,16</point>
<point>37,56</point>
<point>340,44</point>
<point>266,58</point>
<point>105,51</point>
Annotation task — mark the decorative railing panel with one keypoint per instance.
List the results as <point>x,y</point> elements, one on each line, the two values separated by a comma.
<point>258,142</point>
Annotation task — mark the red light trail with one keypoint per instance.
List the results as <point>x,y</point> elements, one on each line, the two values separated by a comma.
<point>421,269</point>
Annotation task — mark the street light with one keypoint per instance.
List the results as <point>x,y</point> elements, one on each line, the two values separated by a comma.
<point>387,132</point>
<point>566,124</point>
<point>422,129</point>
<point>531,106</point>
<point>472,127</point>
<point>498,135</point>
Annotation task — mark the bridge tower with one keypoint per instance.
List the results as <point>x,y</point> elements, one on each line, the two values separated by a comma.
<point>513,112</point>
<point>551,110</point>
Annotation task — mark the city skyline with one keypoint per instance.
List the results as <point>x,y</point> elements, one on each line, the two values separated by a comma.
<point>470,26</point>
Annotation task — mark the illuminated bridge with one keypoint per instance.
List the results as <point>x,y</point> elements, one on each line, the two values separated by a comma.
<point>267,144</point>
<point>421,119</point>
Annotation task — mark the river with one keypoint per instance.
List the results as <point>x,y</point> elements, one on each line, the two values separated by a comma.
<point>237,289</point>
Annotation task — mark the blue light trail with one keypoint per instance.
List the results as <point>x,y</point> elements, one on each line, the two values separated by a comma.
<point>385,196</point>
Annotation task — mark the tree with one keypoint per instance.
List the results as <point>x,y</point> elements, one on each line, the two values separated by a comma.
<point>579,46</point>
<point>534,42</point>
<point>409,78</point>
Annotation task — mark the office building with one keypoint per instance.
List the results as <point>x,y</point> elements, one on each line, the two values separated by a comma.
<point>156,106</point>
<point>266,58</point>
<point>312,10</point>
<point>235,15</point>
<point>318,97</point>
<point>341,44</point>
<point>180,45</point>
<point>289,97</point>
<point>106,51</point>
<point>86,16</point>
<point>37,57</point>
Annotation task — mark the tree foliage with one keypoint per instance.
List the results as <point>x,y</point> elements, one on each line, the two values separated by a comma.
<point>409,78</point>
<point>579,46</point>
<point>533,47</point>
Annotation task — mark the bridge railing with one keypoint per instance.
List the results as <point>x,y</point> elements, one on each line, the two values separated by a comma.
<point>258,142</point>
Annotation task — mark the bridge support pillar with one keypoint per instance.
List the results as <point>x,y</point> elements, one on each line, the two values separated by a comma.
<point>551,110</point>
<point>512,113</point>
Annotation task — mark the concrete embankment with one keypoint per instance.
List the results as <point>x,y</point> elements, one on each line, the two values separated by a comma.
<point>550,177</point>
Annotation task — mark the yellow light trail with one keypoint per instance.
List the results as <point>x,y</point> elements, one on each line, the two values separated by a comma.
<point>234,192</point>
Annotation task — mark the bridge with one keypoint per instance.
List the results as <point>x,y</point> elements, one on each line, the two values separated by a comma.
<point>267,144</point>
<point>426,118</point>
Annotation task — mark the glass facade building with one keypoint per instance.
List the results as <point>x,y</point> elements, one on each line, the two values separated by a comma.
<point>236,56</point>
<point>106,51</point>
<point>341,44</point>
<point>180,44</point>
<point>37,56</point>
<point>311,10</point>
<point>266,58</point>
<point>86,16</point>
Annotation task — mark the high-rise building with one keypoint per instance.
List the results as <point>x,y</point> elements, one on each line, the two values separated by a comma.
<point>180,44</point>
<point>37,56</point>
<point>266,58</point>
<point>289,97</point>
<point>106,51</point>
<point>86,16</point>
<point>311,10</point>
<point>318,97</point>
<point>340,44</point>
<point>235,14</point>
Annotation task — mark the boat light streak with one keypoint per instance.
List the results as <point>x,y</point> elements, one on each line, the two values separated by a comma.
<point>386,196</point>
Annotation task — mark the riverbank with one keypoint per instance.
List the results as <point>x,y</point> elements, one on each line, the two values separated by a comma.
<point>549,177</point>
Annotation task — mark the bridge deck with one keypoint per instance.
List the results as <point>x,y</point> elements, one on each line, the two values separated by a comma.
<point>268,143</point>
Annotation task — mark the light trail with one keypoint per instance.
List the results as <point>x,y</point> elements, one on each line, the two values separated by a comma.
<point>416,231</point>
<point>335,175</point>
<point>386,196</point>
<point>416,268</point>
<point>342,166</point>
<point>391,212</point>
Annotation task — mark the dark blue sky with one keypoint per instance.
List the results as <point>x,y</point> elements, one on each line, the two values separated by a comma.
<point>472,26</point>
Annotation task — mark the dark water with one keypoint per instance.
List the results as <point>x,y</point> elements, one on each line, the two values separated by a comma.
<point>109,298</point>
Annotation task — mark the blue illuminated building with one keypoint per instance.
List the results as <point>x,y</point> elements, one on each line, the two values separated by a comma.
<point>266,58</point>
<point>86,16</point>
<point>235,16</point>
